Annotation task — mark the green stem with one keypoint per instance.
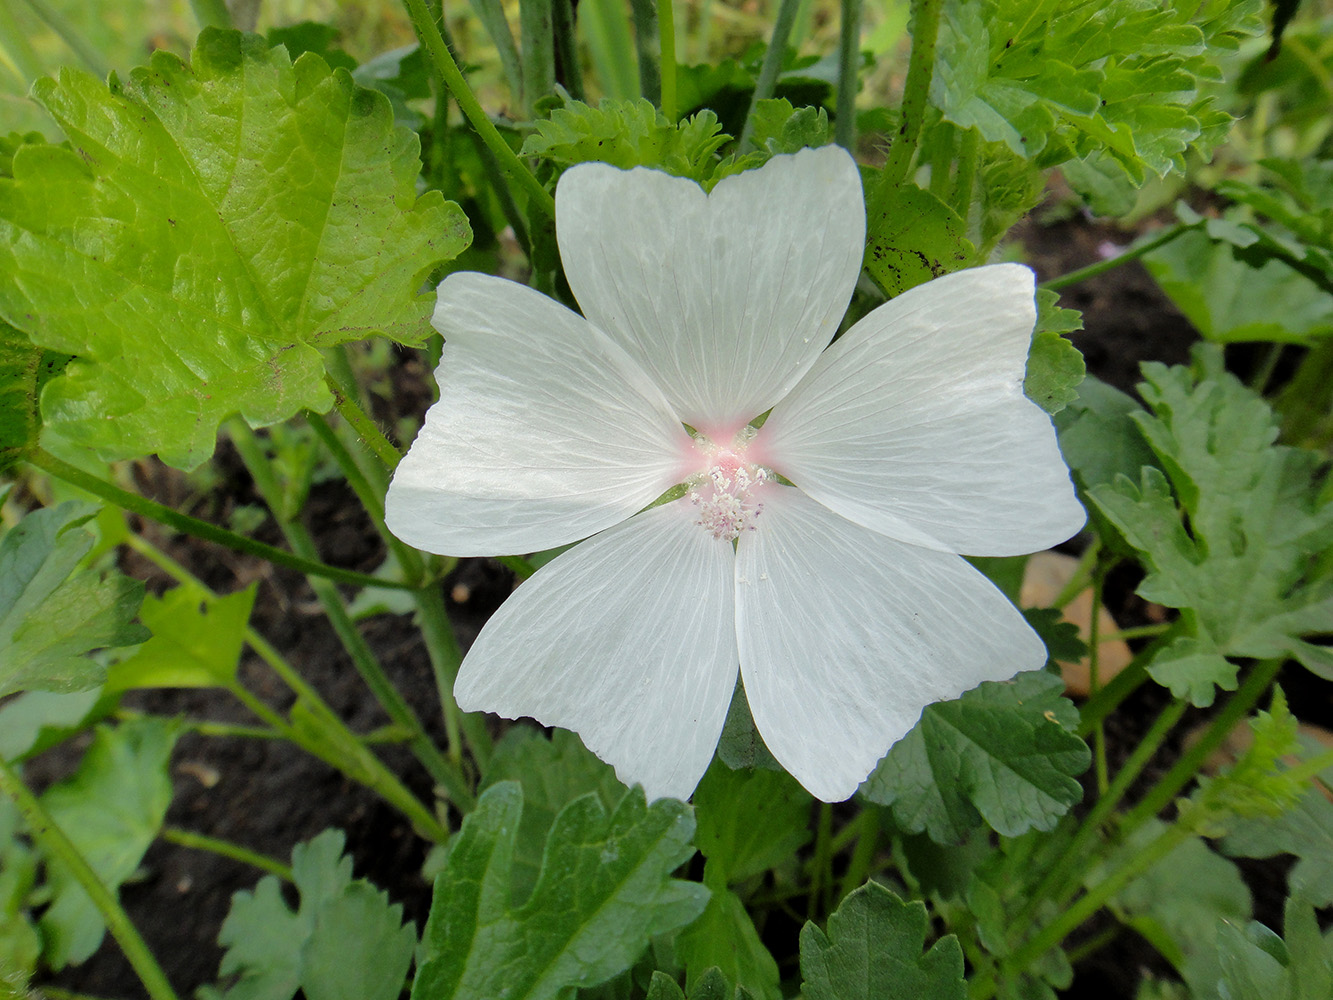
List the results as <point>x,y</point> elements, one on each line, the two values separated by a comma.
<point>408,558</point>
<point>1074,858</point>
<point>345,402</point>
<point>666,34</point>
<point>399,711</point>
<point>969,154</point>
<point>80,46</point>
<point>56,845</point>
<point>226,849</point>
<point>863,854</point>
<point>15,46</point>
<point>821,865</point>
<point>771,66</point>
<point>916,92</point>
<point>537,42</point>
<point>647,49</point>
<point>1095,681</point>
<point>196,528</point>
<point>1062,926</point>
<point>1131,254</point>
<point>521,567</point>
<point>1138,632</point>
<point>566,48</point>
<point>1081,578</point>
<point>511,166</point>
<point>1246,697</point>
<point>445,658</point>
<point>849,60</point>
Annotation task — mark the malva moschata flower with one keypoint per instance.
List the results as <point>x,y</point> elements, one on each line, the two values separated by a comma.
<point>818,554</point>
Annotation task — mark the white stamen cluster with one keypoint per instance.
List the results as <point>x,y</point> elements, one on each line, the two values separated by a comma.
<point>724,501</point>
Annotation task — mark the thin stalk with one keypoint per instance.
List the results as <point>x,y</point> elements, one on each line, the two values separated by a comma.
<point>226,849</point>
<point>1068,921</point>
<point>1137,632</point>
<point>1123,684</point>
<point>1081,579</point>
<point>334,740</point>
<point>647,49</point>
<point>445,658</point>
<point>771,66</point>
<point>537,40</point>
<point>56,845</point>
<point>345,402</point>
<point>1246,697</point>
<point>521,567</point>
<point>568,64</point>
<point>367,665</point>
<point>863,854</point>
<point>1094,944</point>
<point>969,154</point>
<point>511,166</point>
<point>666,34</point>
<point>223,730</point>
<point>821,865</point>
<point>371,499</point>
<point>508,207</point>
<point>1102,266</point>
<point>849,64</point>
<point>80,46</point>
<point>916,92</point>
<point>1074,858</point>
<point>1095,682</point>
<point>17,51</point>
<point>196,528</point>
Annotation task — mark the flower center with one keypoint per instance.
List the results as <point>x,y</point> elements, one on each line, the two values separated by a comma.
<point>726,495</point>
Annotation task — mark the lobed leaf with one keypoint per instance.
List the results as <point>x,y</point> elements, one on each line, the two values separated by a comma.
<point>345,941</point>
<point>52,612</point>
<point>1002,753</point>
<point>628,134</point>
<point>1230,537</point>
<point>604,889</point>
<point>209,228</point>
<point>1056,82</point>
<point>196,642</point>
<point>872,951</point>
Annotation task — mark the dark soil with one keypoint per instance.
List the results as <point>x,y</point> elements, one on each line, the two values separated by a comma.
<point>267,795</point>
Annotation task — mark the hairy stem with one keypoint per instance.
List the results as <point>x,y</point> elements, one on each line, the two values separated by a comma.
<point>916,92</point>
<point>771,66</point>
<point>849,59</point>
<point>226,849</point>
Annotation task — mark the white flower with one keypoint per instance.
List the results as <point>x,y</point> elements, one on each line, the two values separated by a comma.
<point>843,600</point>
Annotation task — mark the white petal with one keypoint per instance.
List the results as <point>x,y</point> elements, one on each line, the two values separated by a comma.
<point>725,299</point>
<point>845,635</point>
<point>545,431</point>
<point>914,423</point>
<point>629,640</point>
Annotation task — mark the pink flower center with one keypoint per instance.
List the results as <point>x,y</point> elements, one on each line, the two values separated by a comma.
<point>727,494</point>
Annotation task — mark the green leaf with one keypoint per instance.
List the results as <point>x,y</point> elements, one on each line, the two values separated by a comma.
<point>724,944</point>
<point>1059,81</point>
<point>196,642</point>
<point>24,370</point>
<point>1099,437</point>
<point>872,951</point>
<point>344,942</point>
<point>211,229</point>
<point>553,773</point>
<point>712,985</point>
<point>1256,964</point>
<point>1002,753</point>
<point>1230,538</point>
<point>780,128</point>
<point>741,747</point>
<point>1227,292</point>
<point>628,134</point>
<point>749,821</point>
<point>110,809</point>
<point>52,612</point>
<point>1306,831</point>
<point>1055,367</point>
<point>37,720</point>
<point>604,890</point>
<point>1177,903</point>
<point>911,237</point>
